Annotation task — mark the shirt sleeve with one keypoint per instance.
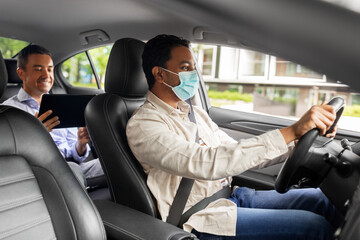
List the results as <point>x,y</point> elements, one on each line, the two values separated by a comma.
<point>226,139</point>
<point>155,144</point>
<point>217,132</point>
<point>65,140</point>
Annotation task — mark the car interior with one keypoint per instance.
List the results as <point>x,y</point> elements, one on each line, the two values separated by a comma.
<point>41,199</point>
<point>43,202</point>
<point>127,180</point>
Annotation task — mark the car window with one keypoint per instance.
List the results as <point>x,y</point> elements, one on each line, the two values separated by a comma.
<point>10,47</point>
<point>249,81</point>
<point>100,57</point>
<point>78,71</point>
<point>87,69</point>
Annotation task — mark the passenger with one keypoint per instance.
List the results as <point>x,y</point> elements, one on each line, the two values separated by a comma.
<point>162,138</point>
<point>35,68</point>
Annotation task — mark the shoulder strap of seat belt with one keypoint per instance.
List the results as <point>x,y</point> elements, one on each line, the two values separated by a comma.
<point>185,186</point>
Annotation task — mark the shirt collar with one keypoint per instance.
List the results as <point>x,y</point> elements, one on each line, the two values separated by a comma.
<point>27,99</point>
<point>24,96</point>
<point>164,107</point>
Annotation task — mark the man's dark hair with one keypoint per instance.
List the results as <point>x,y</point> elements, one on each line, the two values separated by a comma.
<point>157,52</point>
<point>24,54</point>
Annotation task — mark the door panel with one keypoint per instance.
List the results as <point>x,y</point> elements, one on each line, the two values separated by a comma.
<point>251,123</point>
<point>241,125</point>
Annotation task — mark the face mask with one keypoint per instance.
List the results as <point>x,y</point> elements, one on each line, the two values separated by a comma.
<point>189,84</point>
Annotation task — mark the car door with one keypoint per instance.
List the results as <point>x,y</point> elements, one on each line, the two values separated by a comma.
<point>249,93</point>
<point>83,73</point>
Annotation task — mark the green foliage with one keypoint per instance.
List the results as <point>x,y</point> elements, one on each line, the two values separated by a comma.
<point>291,101</point>
<point>230,95</point>
<point>216,103</point>
<point>77,69</point>
<point>10,47</point>
<point>352,111</point>
<point>100,57</point>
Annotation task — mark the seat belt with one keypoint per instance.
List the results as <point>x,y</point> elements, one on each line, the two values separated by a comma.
<point>176,217</point>
<point>223,193</point>
<point>185,186</point>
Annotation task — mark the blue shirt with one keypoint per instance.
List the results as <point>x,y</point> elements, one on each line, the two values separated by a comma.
<point>65,138</point>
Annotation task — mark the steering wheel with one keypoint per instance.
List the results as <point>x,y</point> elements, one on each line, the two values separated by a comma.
<point>289,175</point>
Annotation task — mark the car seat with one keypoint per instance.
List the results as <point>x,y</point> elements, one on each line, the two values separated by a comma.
<point>106,117</point>
<point>40,198</point>
<point>3,77</point>
<point>14,83</point>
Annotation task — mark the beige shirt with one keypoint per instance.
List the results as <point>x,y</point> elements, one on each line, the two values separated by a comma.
<point>163,140</point>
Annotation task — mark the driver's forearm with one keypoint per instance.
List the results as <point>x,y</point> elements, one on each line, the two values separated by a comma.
<point>288,134</point>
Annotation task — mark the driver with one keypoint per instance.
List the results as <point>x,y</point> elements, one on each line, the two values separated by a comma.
<point>162,138</point>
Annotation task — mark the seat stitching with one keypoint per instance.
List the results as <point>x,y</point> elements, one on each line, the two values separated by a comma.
<point>21,228</point>
<point>20,202</point>
<point>7,181</point>
<point>110,225</point>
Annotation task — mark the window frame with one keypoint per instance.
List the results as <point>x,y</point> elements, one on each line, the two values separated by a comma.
<point>96,75</point>
<point>92,66</point>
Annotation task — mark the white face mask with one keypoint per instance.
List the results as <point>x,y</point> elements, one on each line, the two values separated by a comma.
<point>189,84</point>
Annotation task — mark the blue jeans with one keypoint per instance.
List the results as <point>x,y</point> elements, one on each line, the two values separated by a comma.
<point>297,214</point>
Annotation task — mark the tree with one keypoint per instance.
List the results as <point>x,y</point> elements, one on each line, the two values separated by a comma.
<point>10,47</point>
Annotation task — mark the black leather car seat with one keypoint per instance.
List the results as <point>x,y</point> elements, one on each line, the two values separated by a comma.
<point>3,77</point>
<point>14,82</point>
<point>106,117</point>
<point>40,198</point>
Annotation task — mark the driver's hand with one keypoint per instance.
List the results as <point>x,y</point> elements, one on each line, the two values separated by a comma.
<point>318,116</point>
<point>50,123</point>
<point>332,135</point>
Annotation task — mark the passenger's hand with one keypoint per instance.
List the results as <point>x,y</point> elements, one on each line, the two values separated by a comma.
<point>321,117</point>
<point>83,139</point>
<point>50,123</point>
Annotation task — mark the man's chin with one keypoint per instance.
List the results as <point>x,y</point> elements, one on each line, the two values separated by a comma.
<point>45,90</point>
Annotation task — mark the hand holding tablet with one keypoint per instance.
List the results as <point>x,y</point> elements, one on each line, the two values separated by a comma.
<point>68,108</point>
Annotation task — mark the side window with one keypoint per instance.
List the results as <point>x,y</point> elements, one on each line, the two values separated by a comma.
<point>249,81</point>
<point>100,57</point>
<point>87,69</point>
<point>10,47</point>
<point>78,72</point>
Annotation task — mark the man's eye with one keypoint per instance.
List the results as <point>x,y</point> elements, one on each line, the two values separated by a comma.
<point>37,69</point>
<point>186,68</point>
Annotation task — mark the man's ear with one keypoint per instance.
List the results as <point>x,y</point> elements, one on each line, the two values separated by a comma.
<point>158,74</point>
<point>21,74</point>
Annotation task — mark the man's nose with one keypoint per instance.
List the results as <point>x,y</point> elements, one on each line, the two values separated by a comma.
<point>45,73</point>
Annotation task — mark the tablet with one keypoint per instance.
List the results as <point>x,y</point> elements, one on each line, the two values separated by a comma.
<point>69,108</point>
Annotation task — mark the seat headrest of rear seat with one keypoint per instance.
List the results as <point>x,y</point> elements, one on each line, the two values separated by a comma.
<point>3,75</point>
<point>11,66</point>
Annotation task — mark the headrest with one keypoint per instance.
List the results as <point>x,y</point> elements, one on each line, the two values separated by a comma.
<point>3,75</point>
<point>124,74</point>
<point>11,66</point>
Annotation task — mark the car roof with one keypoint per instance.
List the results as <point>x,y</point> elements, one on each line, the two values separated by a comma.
<point>316,34</point>
<point>58,25</point>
